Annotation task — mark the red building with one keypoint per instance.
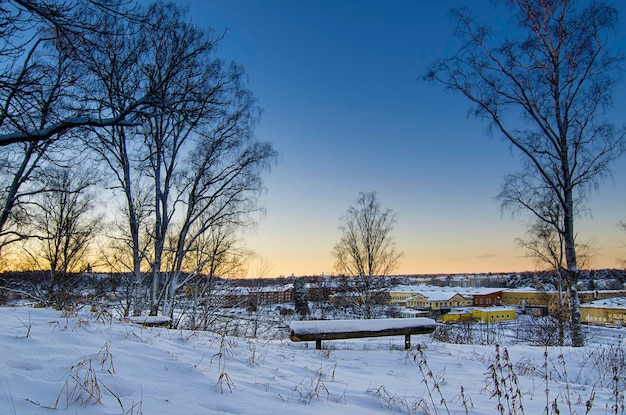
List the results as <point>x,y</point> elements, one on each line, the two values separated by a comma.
<point>486,297</point>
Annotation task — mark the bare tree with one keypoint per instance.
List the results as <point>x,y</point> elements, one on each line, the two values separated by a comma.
<point>215,258</point>
<point>63,228</point>
<point>46,93</point>
<point>546,92</point>
<point>43,84</point>
<point>366,253</point>
<point>204,159</point>
<point>116,66</point>
<point>20,167</point>
<point>193,148</point>
<point>546,245</point>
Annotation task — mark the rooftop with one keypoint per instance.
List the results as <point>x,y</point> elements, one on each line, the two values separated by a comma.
<point>616,302</point>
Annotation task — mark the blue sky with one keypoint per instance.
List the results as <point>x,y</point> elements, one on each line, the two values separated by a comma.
<point>338,83</point>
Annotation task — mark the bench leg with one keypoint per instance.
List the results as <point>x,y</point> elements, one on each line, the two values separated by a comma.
<point>407,341</point>
<point>318,344</point>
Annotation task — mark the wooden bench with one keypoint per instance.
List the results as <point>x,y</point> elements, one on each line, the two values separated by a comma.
<point>318,330</point>
<point>151,321</point>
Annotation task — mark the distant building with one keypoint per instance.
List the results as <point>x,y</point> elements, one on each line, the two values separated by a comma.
<point>482,314</point>
<point>588,296</point>
<point>272,294</point>
<point>485,297</point>
<point>442,299</point>
<point>541,302</point>
<point>537,302</point>
<point>493,314</point>
<point>321,290</point>
<point>457,315</point>
<point>608,311</point>
<point>438,301</point>
<point>406,312</point>
<point>401,293</point>
<point>254,296</point>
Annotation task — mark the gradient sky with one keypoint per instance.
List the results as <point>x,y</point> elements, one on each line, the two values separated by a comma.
<point>338,83</point>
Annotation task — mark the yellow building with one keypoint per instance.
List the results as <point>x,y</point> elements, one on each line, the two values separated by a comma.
<point>432,298</point>
<point>544,301</point>
<point>457,316</point>
<point>437,301</point>
<point>484,314</point>
<point>548,300</point>
<point>588,296</point>
<point>401,293</point>
<point>493,314</point>
<point>608,311</point>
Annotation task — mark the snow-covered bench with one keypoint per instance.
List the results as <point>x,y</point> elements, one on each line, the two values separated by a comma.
<point>318,330</point>
<point>151,321</point>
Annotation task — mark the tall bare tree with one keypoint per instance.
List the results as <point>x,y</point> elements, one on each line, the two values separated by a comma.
<point>46,93</point>
<point>115,65</point>
<point>366,253</point>
<point>192,148</point>
<point>545,91</point>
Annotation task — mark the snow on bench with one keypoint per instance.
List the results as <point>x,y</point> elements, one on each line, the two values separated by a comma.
<point>318,330</point>
<point>151,321</point>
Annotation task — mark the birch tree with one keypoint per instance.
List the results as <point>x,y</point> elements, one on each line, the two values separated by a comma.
<point>546,246</point>
<point>546,90</point>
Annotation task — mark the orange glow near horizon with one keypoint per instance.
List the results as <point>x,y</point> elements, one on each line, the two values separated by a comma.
<point>435,265</point>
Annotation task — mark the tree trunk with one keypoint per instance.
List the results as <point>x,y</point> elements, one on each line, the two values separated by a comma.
<point>572,271</point>
<point>133,224</point>
<point>561,309</point>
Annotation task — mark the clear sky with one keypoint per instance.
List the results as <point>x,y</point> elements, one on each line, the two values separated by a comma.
<point>338,83</point>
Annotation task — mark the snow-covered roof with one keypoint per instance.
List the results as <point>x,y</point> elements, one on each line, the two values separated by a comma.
<point>439,296</point>
<point>272,289</point>
<point>405,289</point>
<point>615,302</point>
<point>479,290</point>
<point>526,290</point>
<point>439,293</point>
<point>239,291</point>
<point>460,310</point>
<point>493,309</point>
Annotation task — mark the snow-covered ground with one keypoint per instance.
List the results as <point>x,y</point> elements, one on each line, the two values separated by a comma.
<point>89,364</point>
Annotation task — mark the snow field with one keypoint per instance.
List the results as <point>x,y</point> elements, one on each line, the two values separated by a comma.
<point>87,365</point>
